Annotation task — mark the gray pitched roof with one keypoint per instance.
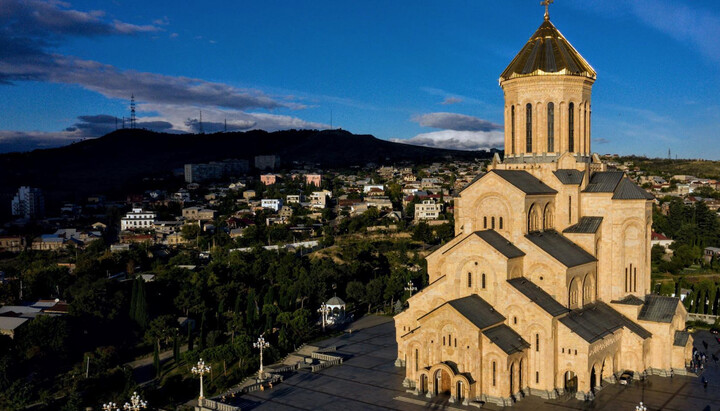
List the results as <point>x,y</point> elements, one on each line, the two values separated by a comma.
<point>586,225</point>
<point>629,300</point>
<point>604,181</point>
<point>681,338</point>
<point>560,248</point>
<point>596,320</point>
<point>658,308</point>
<point>525,181</point>
<point>569,176</point>
<point>627,190</point>
<point>538,296</point>
<point>475,309</point>
<point>500,243</point>
<point>506,338</point>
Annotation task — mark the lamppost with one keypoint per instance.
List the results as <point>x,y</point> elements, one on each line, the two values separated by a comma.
<point>201,369</point>
<point>135,404</point>
<point>323,310</point>
<point>261,344</point>
<point>641,407</point>
<point>410,287</point>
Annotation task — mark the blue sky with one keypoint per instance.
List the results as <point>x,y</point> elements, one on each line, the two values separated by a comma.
<point>419,71</point>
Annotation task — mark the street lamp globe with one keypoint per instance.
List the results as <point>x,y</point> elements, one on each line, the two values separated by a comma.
<point>201,369</point>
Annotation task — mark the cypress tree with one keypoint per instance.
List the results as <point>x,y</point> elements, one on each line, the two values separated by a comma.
<point>190,337</point>
<point>141,316</point>
<point>176,348</point>
<point>202,331</point>
<point>156,361</point>
<point>133,300</point>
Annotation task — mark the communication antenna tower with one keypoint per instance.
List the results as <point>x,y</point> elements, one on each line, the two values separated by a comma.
<point>133,122</point>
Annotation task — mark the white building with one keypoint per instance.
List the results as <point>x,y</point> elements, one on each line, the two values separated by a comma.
<point>137,219</point>
<point>29,203</point>
<point>294,198</point>
<point>368,187</point>
<point>274,204</point>
<point>318,199</point>
<point>427,210</point>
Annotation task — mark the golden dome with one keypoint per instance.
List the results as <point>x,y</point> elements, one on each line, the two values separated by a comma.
<point>548,53</point>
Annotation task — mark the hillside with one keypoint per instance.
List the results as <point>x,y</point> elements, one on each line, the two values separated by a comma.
<point>108,164</point>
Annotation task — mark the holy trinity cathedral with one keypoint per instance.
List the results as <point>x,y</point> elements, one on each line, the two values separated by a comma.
<point>545,290</point>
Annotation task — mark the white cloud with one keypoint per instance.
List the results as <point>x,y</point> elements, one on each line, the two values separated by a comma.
<point>457,140</point>
<point>454,121</point>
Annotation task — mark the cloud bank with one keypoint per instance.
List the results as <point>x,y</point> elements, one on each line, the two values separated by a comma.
<point>458,132</point>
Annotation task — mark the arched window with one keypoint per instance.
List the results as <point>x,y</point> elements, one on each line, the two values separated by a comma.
<point>483,281</point>
<point>493,373</point>
<point>416,359</point>
<point>492,222</point>
<point>443,340</point>
<point>484,222</point>
<point>551,128</point>
<point>571,127</point>
<point>585,123</point>
<point>537,342</point>
<point>528,128</point>
<point>512,128</point>
<point>626,279</point>
<point>635,279</point>
<point>501,223</point>
<point>469,279</point>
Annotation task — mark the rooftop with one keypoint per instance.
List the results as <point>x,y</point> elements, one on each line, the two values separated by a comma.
<point>560,248</point>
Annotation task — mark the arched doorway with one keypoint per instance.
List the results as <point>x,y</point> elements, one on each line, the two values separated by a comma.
<point>459,391</point>
<point>593,379</point>
<point>512,378</point>
<point>423,383</point>
<point>570,382</point>
<point>520,376</point>
<point>442,382</point>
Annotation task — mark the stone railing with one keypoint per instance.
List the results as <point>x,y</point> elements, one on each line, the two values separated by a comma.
<point>212,405</point>
<point>326,357</point>
<point>706,318</point>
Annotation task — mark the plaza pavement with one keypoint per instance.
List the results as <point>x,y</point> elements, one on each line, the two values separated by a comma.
<point>368,380</point>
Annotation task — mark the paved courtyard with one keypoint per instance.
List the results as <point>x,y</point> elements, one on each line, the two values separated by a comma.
<point>368,380</point>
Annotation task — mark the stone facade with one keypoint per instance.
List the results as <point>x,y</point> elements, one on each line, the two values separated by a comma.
<point>545,289</point>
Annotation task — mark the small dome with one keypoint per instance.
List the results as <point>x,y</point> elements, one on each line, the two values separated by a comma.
<point>335,301</point>
<point>548,53</point>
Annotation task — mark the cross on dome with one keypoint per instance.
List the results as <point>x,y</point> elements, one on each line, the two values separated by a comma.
<point>547,4</point>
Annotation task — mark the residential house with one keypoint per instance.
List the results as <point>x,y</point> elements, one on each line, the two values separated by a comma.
<point>137,219</point>
<point>428,210</point>
<point>272,203</point>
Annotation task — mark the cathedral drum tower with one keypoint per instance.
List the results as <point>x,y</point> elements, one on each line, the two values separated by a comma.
<point>545,290</point>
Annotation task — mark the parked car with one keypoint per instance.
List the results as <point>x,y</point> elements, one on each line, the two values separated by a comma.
<point>626,377</point>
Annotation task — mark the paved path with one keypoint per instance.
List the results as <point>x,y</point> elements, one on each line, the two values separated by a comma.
<point>368,380</point>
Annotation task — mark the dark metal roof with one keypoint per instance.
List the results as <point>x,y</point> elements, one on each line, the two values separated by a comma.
<point>681,338</point>
<point>538,296</point>
<point>525,181</point>
<point>627,190</point>
<point>500,243</point>
<point>548,53</point>
<point>629,300</point>
<point>596,320</point>
<point>475,309</point>
<point>560,248</point>
<point>604,181</point>
<point>569,176</point>
<point>506,338</point>
<point>658,308</point>
<point>586,225</point>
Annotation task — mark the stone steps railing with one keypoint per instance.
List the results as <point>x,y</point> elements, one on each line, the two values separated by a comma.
<point>206,404</point>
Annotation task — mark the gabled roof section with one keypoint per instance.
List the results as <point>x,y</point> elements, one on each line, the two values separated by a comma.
<point>586,225</point>
<point>506,338</point>
<point>569,176</point>
<point>474,309</point>
<point>526,182</point>
<point>538,296</point>
<point>560,248</point>
<point>658,308</point>
<point>548,53</point>
<point>627,190</point>
<point>500,243</point>
<point>597,320</point>
<point>629,300</point>
<point>604,182</point>
<point>681,338</point>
